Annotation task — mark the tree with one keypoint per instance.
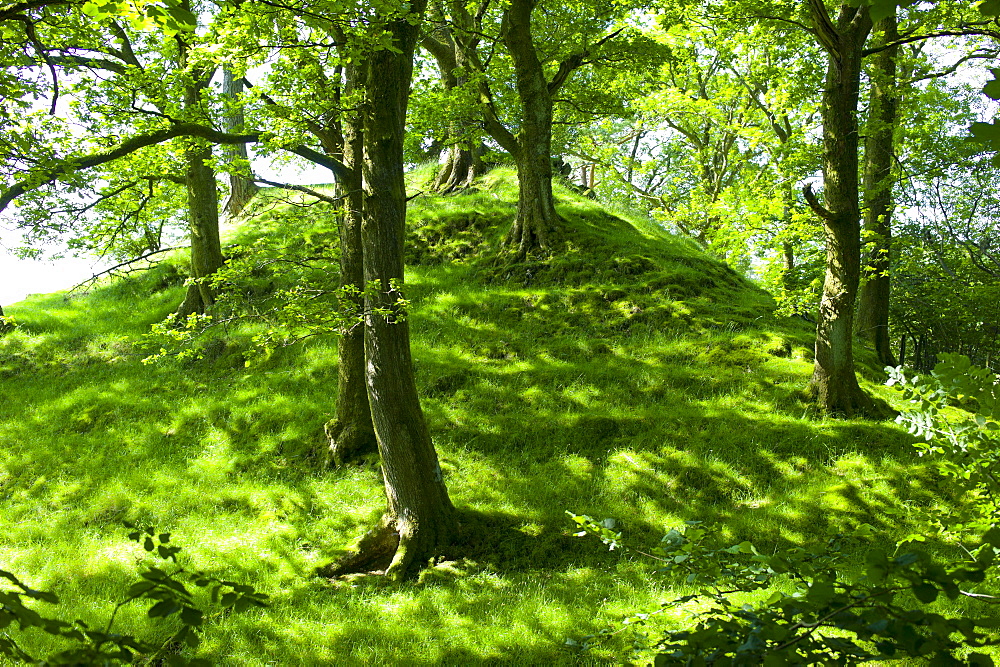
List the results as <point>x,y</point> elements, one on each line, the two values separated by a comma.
<point>419,518</point>
<point>536,223</point>
<point>873,300</point>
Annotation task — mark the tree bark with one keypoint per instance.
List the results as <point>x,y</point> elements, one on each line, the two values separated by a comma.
<point>203,221</point>
<point>834,383</point>
<point>536,222</point>
<point>419,520</point>
<point>351,432</point>
<point>241,187</point>
<point>873,301</point>
<point>202,199</point>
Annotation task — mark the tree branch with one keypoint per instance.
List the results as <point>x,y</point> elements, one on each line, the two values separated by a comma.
<point>818,209</point>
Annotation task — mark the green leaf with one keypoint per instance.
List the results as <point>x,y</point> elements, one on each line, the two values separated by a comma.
<point>163,608</point>
<point>191,616</point>
<point>925,592</point>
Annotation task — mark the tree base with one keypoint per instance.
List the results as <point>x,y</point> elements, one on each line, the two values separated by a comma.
<point>394,549</point>
<point>349,442</point>
<point>848,402</point>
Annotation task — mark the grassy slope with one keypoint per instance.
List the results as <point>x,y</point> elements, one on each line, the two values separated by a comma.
<point>631,377</point>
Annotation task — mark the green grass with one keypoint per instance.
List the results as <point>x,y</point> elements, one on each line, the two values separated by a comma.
<point>629,376</point>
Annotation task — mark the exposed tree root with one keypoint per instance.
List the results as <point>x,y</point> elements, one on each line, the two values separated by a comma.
<point>394,549</point>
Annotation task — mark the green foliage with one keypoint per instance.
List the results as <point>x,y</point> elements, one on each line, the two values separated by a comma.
<point>167,591</point>
<point>962,445</point>
<point>797,606</point>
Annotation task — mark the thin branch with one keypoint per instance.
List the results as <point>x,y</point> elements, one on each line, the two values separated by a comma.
<point>301,188</point>
<point>94,277</point>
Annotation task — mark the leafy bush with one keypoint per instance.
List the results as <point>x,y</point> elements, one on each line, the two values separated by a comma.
<point>962,445</point>
<point>167,591</point>
<point>798,607</point>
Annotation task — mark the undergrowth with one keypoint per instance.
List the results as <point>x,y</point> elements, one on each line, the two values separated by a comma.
<point>627,376</point>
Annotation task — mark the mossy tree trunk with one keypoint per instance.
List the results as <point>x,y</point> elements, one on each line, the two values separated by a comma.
<point>834,383</point>
<point>351,432</point>
<point>873,300</point>
<point>202,198</point>
<point>419,520</point>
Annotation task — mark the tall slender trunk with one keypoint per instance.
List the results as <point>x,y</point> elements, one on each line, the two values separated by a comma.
<point>873,301</point>
<point>419,519</point>
<point>834,383</point>
<point>351,432</point>
<point>241,187</point>
<point>536,223</point>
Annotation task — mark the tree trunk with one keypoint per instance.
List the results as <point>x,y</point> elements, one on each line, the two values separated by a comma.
<point>419,520</point>
<point>202,199</point>
<point>873,301</point>
<point>834,383</point>
<point>241,187</point>
<point>203,220</point>
<point>351,432</point>
<point>536,223</point>
<point>462,162</point>
<point>460,167</point>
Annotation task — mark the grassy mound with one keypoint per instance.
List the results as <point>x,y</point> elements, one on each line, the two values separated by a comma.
<point>629,376</point>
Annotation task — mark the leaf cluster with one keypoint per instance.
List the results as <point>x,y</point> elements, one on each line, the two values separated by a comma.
<point>797,606</point>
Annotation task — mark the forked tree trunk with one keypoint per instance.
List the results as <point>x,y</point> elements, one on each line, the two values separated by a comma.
<point>351,432</point>
<point>536,223</point>
<point>419,520</point>
<point>203,220</point>
<point>834,383</point>
<point>873,301</point>
<point>241,187</point>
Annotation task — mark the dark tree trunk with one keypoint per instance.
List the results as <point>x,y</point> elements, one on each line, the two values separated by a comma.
<point>203,219</point>
<point>536,223</point>
<point>873,301</point>
<point>902,349</point>
<point>351,432</point>
<point>241,187</point>
<point>419,520</point>
<point>834,383</point>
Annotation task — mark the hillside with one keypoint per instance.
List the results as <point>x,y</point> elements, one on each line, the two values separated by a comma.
<point>629,376</point>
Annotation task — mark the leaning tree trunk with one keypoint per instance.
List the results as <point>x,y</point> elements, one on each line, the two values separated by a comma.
<point>351,432</point>
<point>419,520</point>
<point>834,383</point>
<point>241,187</point>
<point>873,301</point>
<point>536,223</point>
<point>203,219</point>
